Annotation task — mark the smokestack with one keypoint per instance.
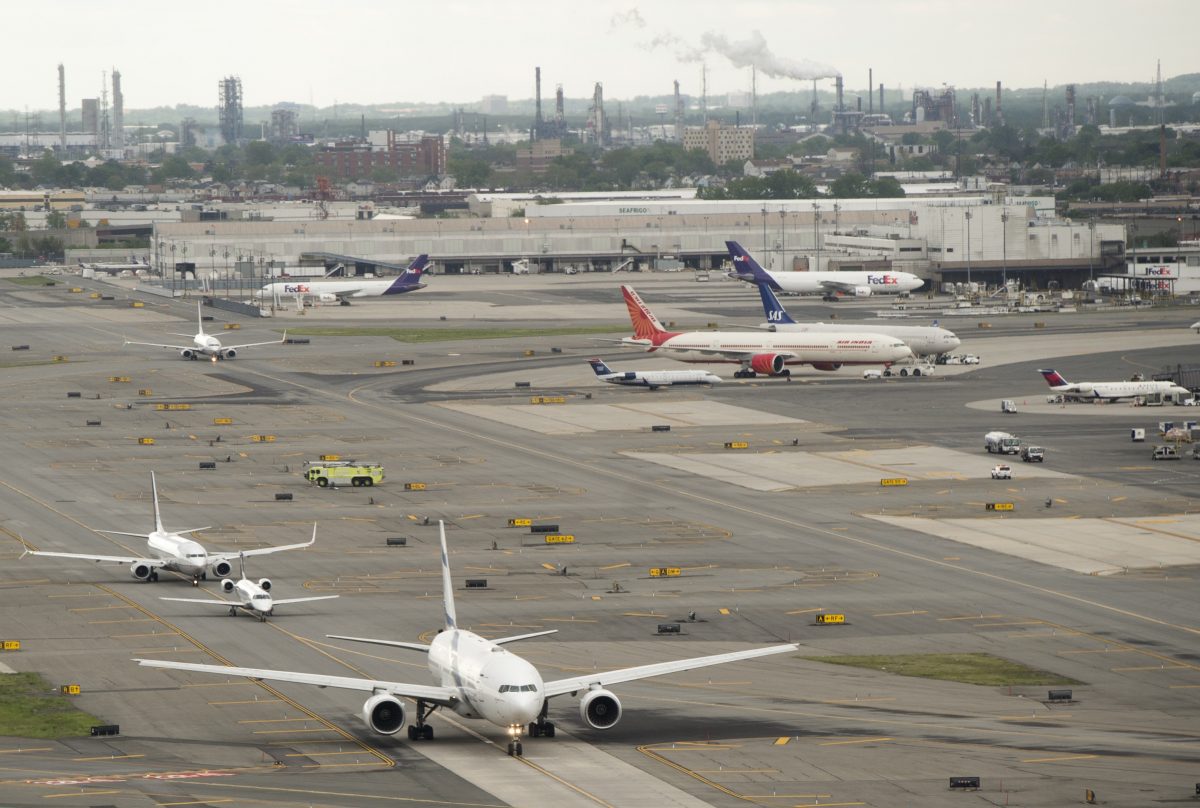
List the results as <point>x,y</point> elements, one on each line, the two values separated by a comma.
<point>118,114</point>
<point>870,95</point>
<point>537,119</point>
<point>881,98</point>
<point>999,109</point>
<point>678,113</point>
<point>62,107</point>
<point>838,83</point>
<point>753,96</point>
<point>704,92</point>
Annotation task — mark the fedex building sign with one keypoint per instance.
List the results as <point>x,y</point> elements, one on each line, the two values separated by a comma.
<point>1159,272</point>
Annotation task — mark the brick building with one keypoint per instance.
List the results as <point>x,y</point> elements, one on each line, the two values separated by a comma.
<point>418,158</point>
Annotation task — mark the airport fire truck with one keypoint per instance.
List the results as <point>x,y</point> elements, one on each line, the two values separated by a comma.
<point>326,473</point>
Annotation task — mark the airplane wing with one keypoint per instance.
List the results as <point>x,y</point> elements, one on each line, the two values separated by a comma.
<point>411,646</point>
<point>264,550</point>
<point>256,344</point>
<point>101,559</point>
<point>444,696</point>
<point>207,601</point>
<point>162,345</point>
<point>837,286</point>
<point>735,354</point>
<point>304,600</point>
<point>604,679</point>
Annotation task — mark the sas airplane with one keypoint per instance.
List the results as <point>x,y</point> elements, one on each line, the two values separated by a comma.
<point>757,352</point>
<point>478,678</point>
<point>830,285</point>
<point>653,379</point>
<point>924,340</point>
<point>1111,391</point>
<point>253,597</point>
<point>206,344</point>
<point>169,550</point>
<point>342,291</point>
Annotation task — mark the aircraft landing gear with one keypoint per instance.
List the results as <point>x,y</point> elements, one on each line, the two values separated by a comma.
<point>744,374</point>
<point>542,728</point>
<point>153,575</point>
<point>514,749</point>
<point>195,580</point>
<point>233,611</point>
<point>420,731</point>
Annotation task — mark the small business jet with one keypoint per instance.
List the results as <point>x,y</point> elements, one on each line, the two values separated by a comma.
<point>169,550</point>
<point>827,284</point>
<point>1111,391</point>
<point>206,344</point>
<point>653,379</point>
<point>478,678</point>
<point>253,597</point>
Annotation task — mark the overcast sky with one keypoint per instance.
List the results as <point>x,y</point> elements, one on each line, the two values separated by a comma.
<point>392,51</point>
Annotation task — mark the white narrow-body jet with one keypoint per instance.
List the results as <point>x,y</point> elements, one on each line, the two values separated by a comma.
<point>171,550</point>
<point>1112,391</point>
<point>653,379</point>
<point>207,345</point>
<point>253,597</point>
<point>478,678</point>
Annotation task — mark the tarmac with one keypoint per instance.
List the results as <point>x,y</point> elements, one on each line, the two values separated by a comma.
<point>1090,575</point>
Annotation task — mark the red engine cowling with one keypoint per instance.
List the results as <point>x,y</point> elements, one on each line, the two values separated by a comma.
<point>770,364</point>
<point>827,365</point>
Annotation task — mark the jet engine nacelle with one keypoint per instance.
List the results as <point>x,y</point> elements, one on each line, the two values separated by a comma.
<point>187,353</point>
<point>771,364</point>
<point>229,353</point>
<point>384,714</point>
<point>326,297</point>
<point>1086,389</point>
<point>141,571</point>
<point>227,585</point>
<point>862,291</point>
<point>827,365</point>
<point>600,709</point>
<point>221,569</point>
<point>265,583</point>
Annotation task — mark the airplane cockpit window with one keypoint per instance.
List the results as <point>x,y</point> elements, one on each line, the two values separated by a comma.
<point>518,688</point>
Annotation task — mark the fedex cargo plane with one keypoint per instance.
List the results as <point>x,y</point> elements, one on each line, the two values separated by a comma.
<point>828,284</point>
<point>342,291</point>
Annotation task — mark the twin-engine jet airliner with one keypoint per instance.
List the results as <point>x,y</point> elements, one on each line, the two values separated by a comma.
<point>206,344</point>
<point>1112,391</point>
<point>653,379</point>
<point>827,284</point>
<point>758,352</point>
<point>342,291</point>
<point>169,550</point>
<point>478,678</point>
<point>253,597</point>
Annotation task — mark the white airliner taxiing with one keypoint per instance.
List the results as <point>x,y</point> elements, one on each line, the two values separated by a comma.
<point>206,344</point>
<point>828,284</point>
<point>653,379</point>
<point>761,352</point>
<point>1112,391</point>
<point>478,678</point>
<point>925,340</point>
<point>253,597</point>
<point>169,550</point>
<point>341,291</point>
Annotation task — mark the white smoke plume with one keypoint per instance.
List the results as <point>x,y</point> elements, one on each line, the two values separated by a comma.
<point>631,18</point>
<point>684,51</point>
<point>754,52</point>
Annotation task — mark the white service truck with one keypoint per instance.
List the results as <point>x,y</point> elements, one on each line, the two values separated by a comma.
<point>1001,443</point>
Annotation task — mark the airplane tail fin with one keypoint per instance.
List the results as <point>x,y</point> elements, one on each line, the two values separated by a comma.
<point>745,268</point>
<point>645,324</point>
<point>158,526</point>
<point>1053,378</point>
<point>447,591</point>
<point>199,318</point>
<point>776,313</point>
<point>410,278</point>
<point>599,367</point>
<point>242,564</point>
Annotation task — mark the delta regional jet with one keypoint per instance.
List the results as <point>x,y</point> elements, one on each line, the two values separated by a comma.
<point>828,284</point>
<point>925,340</point>
<point>758,352</point>
<point>169,550</point>
<point>478,678</point>
<point>342,291</point>
<point>653,379</point>
<point>1112,391</point>
<point>206,344</point>
<point>253,597</point>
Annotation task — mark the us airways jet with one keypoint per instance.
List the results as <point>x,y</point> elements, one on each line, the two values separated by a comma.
<point>1112,391</point>
<point>206,344</point>
<point>925,340</point>
<point>253,597</point>
<point>828,284</point>
<point>342,291</point>
<point>169,550</point>
<point>761,352</point>
<point>478,678</point>
<point>653,379</point>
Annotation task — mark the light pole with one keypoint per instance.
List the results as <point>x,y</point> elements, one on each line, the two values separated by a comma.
<point>1004,247</point>
<point>1091,249</point>
<point>817,235</point>
<point>764,224</point>
<point>782,241</point>
<point>837,209</point>
<point>968,220</point>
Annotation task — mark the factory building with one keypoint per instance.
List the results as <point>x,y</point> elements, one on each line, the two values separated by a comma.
<point>721,143</point>
<point>539,155</point>
<point>355,159</point>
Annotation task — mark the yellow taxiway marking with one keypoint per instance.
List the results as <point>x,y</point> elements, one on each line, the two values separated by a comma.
<point>144,634</point>
<point>860,740</point>
<point>796,797</point>
<point>323,754</point>
<point>971,617</point>
<point>287,731</point>
<point>617,566</point>
<point>1121,499</point>
<point>195,802</point>
<point>470,516</point>
<point>1098,651</point>
<point>570,620</point>
<point>77,793</point>
<point>723,611</point>
<point>100,608</point>
<point>171,650</point>
<point>783,741</point>
<point>1033,717</point>
<point>951,558</point>
<point>1013,623</point>
<point>1057,759</point>
<point>1162,667</point>
<point>643,614</point>
<point>857,700</point>
<point>807,611</point>
<point>244,701</point>
<point>90,595</point>
<point>127,620</point>
<point>336,765</point>
<point>109,757</point>
<point>510,625</point>
<point>900,614</point>
<point>31,749</point>
<point>1180,687</point>
<point>271,720</point>
<point>735,771</point>
<point>219,684</point>
<point>530,597</point>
